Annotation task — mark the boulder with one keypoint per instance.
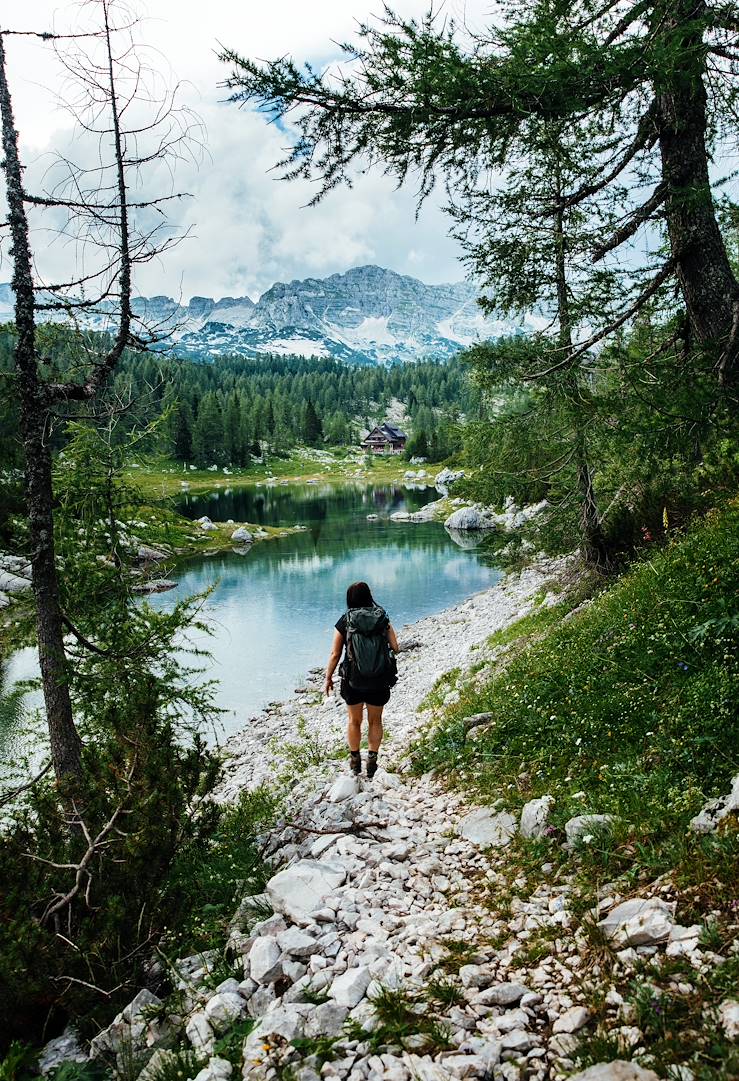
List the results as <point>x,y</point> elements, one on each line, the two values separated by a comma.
<point>13,583</point>
<point>501,994</point>
<point>535,815</point>
<point>265,960</point>
<point>572,1020</point>
<point>343,788</point>
<point>217,1069</point>
<point>301,889</point>
<point>487,828</point>
<point>296,943</point>
<point>619,1070</point>
<point>446,478</point>
<point>468,518</point>
<point>154,585</point>
<point>326,1020</point>
<point>132,1029</point>
<point>200,1033</point>
<point>728,1018</point>
<point>222,1010</point>
<point>349,988</point>
<point>241,536</point>
<point>716,810</point>
<point>639,922</point>
<point>64,1048</point>
<point>146,554</point>
<point>4,600</point>
<point>286,1021</point>
<point>581,825</point>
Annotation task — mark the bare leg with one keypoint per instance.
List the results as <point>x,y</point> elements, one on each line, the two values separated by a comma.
<point>354,725</point>
<point>374,719</point>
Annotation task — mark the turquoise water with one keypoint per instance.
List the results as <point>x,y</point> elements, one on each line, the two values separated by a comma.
<point>272,609</point>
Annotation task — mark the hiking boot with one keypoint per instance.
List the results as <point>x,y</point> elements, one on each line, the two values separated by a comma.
<point>371,763</point>
<point>355,762</point>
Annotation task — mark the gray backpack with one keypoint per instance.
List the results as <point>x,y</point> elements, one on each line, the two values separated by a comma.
<point>369,662</point>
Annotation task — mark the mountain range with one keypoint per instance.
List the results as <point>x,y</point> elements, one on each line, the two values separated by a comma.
<point>366,315</point>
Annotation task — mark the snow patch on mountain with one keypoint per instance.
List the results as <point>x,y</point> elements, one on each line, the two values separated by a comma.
<point>366,315</point>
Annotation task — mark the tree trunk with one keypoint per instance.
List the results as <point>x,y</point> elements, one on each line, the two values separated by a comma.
<point>709,287</point>
<point>594,545</point>
<point>63,736</point>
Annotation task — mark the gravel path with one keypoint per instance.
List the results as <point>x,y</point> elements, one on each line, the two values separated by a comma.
<point>430,647</point>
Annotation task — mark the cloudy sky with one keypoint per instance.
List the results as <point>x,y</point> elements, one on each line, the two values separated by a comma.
<point>248,228</point>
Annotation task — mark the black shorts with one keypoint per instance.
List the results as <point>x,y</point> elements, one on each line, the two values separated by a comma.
<point>380,696</point>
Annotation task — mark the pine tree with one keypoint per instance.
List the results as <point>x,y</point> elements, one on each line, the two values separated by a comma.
<point>207,436</point>
<point>312,427</point>
<point>419,97</point>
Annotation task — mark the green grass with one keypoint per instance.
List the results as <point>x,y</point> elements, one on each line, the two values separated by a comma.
<point>631,702</point>
<point>402,1013</point>
<point>161,478</point>
<point>211,882</point>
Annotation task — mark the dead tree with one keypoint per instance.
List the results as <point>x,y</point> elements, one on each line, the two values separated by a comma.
<point>119,107</point>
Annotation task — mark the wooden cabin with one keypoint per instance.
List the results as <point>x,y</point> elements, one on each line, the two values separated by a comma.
<point>385,439</point>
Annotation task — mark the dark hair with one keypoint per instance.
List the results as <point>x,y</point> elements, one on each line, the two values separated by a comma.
<point>358,595</point>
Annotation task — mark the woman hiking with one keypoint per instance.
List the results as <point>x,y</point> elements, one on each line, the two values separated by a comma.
<point>368,670</point>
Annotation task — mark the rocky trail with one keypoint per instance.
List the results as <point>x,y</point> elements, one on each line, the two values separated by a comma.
<point>398,946</point>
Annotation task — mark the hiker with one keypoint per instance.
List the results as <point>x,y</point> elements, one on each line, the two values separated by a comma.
<point>368,670</point>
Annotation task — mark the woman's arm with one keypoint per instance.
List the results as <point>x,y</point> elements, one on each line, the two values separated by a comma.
<point>336,647</point>
<point>392,639</point>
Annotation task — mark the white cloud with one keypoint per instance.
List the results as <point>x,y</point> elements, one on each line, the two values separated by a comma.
<point>248,228</point>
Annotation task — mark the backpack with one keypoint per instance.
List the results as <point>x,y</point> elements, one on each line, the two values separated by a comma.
<point>369,662</point>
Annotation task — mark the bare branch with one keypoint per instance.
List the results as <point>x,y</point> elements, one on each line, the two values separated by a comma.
<point>656,283</point>
<point>633,223</point>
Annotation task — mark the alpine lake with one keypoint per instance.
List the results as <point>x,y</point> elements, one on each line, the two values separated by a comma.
<point>271,607</point>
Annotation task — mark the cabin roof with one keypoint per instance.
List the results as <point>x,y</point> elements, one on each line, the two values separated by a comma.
<point>393,432</point>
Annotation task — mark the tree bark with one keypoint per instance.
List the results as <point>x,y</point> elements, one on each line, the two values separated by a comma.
<point>65,742</point>
<point>708,285</point>
<point>594,545</point>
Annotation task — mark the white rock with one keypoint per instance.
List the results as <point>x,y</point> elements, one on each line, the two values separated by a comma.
<point>475,976</point>
<point>639,922</point>
<point>12,583</point>
<point>487,828</point>
<point>535,816</point>
<point>343,788</point>
<point>200,1033</point>
<point>241,536</point>
<point>301,889</point>
<point>446,478</point>
<point>222,1010</point>
<point>572,1020</point>
<point>468,518</point>
<point>326,1020</point>
<point>582,824</point>
<point>349,988</point>
<point>296,943</point>
<point>218,1069</point>
<point>716,810</point>
<point>518,1040</point>
<point>619,1070</point>
<point>264,960</point>
<point>64,1048</point>
<point>728,1016</point>
<point>501,994</point>
<point>286,1021</point>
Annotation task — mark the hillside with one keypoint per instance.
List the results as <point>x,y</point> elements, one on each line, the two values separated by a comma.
<point>533,890</point>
